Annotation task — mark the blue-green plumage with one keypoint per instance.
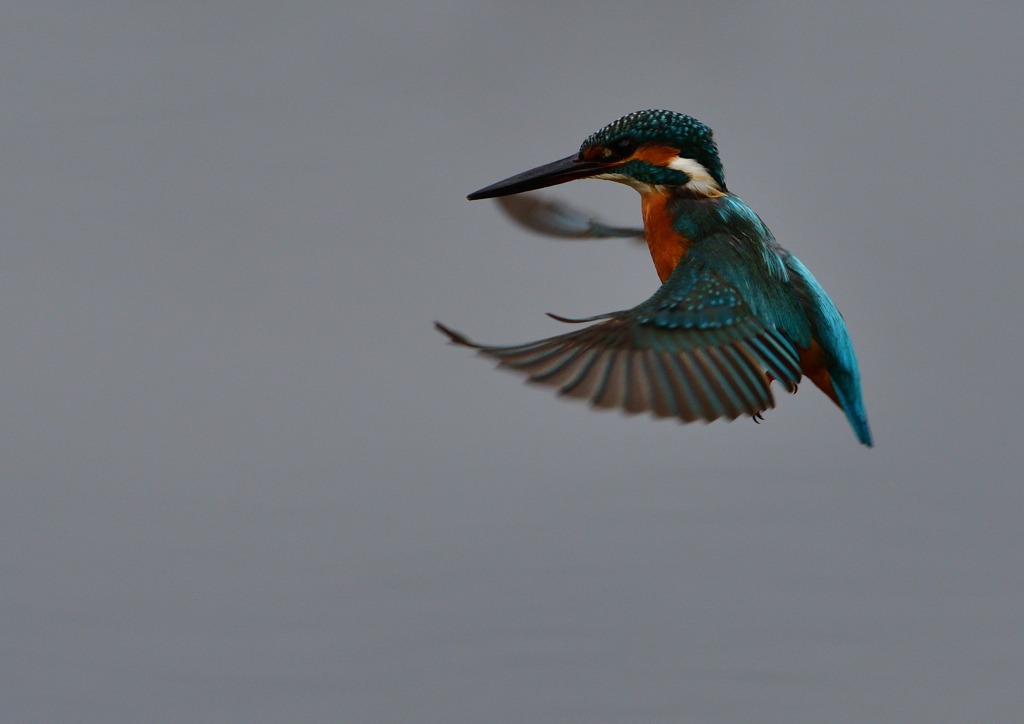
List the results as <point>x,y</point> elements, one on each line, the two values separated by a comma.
<point>735,310</point>
<point>829,330</point>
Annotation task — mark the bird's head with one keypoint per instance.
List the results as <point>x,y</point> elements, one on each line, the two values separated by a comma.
<point>646,150</point>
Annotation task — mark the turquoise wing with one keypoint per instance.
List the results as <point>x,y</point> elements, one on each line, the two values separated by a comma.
<point>696,350</point>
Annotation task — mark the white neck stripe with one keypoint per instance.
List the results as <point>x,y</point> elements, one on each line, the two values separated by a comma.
<point>701,182</point>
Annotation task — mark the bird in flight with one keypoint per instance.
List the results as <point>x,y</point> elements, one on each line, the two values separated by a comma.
<point>735,310</point>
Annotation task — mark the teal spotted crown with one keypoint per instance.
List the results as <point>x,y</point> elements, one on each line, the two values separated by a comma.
<point>668,128</point>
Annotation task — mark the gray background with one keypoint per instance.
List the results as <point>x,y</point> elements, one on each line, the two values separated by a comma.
<point>243,480</point>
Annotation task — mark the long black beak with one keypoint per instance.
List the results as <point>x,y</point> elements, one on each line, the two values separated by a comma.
<point>568,169</point>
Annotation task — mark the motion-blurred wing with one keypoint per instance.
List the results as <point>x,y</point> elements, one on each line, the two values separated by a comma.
<point>554,218</point>
<point>693,351</point>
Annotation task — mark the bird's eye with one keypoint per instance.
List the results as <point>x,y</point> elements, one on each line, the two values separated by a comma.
<point>623,148</point>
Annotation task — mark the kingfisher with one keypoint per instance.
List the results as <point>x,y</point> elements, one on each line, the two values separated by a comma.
<point>735,311</point>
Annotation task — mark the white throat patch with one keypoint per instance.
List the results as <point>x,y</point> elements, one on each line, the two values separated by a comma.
<point>701,182</point>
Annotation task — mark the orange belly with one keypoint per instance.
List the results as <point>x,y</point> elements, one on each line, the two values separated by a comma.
<point>812,364</point>
<point>667,245</point>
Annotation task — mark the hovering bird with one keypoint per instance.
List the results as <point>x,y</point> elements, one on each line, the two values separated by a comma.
<point>735,310</point>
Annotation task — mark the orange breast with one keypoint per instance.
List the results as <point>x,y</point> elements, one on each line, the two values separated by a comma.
<point>667,245</point>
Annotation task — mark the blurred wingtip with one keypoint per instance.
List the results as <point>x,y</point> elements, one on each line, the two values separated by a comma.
<point>550,217</point>
<point>454,337</point>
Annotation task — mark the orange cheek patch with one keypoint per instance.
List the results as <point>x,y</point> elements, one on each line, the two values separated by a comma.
<point>594,153</point>
<point>655,155</point>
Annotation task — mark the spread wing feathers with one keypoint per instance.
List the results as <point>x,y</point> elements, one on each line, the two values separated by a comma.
<point>723,377</point>
<point>553,218</point>
<point>698,354</point>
